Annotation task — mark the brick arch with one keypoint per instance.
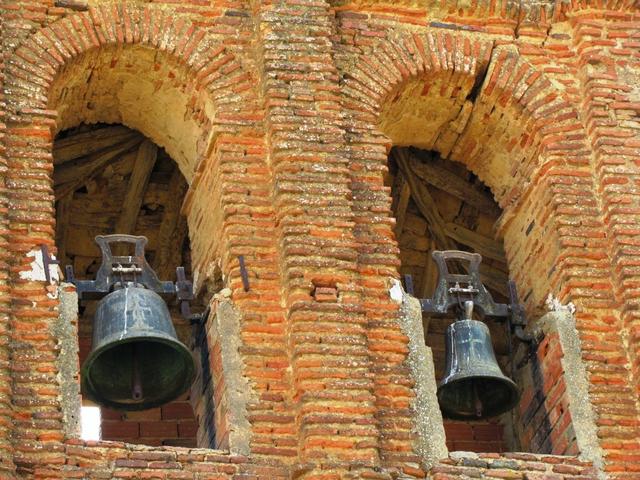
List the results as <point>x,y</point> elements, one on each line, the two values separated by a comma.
<point>40,58</point>
<point>501,85</point>
<point>536,131</point>
<point>537,127</point>
<point>224,85</point>
<point>211,68</point>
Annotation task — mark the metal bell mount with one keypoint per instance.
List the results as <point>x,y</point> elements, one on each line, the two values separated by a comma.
<point>473,385</point>
<point>136,361</point>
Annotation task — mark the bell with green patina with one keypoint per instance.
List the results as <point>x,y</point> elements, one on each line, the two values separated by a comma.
<point>473,386</point>
<point>137,361</point>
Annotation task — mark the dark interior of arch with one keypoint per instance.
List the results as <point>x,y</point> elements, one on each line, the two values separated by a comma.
<point>111,179</point>
<point>440,205</point>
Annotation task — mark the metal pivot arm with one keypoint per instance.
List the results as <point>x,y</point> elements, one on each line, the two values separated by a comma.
<point>518,321</point>
<point>454,289</point>
<point>118,270</point>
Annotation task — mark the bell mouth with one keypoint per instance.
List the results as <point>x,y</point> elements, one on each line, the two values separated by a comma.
<point>137,373</point>
<point>137,361</point>
<point>478,397</point>
<point>473,386</point>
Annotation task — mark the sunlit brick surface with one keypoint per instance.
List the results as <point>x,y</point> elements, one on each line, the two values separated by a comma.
<point>280,115</point>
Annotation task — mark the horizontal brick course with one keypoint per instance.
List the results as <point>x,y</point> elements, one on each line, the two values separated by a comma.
<point>281,114</point>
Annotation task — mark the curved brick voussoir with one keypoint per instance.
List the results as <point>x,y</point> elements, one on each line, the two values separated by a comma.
<point>380,73</point>
<point>494,86</point>
<point>34,66</point>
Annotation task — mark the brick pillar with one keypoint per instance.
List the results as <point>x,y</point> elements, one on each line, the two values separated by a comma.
<point>36,390</point>
<point>6,452</point>
<point>230,214</point>
<point>327,329</point>
<point>609,87</point>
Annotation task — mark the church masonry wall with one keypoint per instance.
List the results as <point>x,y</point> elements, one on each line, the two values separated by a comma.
<point>291,175</point>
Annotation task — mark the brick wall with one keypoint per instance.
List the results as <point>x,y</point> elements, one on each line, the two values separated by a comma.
<point>172,424</point>
<point>475,436</point>
<point>6,451</point>
<point>281,115</point>
<point>513,466</point>
<point>545,421</point>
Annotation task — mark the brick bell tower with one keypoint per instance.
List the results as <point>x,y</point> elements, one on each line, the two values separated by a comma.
<point>302,160</point>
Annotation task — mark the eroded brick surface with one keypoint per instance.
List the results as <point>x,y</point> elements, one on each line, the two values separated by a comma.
<point>280,116</point>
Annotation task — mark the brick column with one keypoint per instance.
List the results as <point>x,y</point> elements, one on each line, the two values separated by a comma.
<point>36,390</point>
<point>327,330</point>
<point>6,451</point>
<point>608,80</point>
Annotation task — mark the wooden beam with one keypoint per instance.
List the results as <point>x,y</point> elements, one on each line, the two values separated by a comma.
<point>88,143</point>
<point>485,246</point>
<point>425,202</point>
<point>63,214</point>
<point>439,177</point>
<point>429,274</point>
<point>401,196</point>
<point>173,229</point>
<point>494,279</point>
<point>72,175</point>
<point>468,216</point>
<point>429,282</point>
<point>138,181</point>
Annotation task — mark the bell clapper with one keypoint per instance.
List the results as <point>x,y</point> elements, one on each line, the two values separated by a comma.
<point>136,389</point>
<point>478,404</point>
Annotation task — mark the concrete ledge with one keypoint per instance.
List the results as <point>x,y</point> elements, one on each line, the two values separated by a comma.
<point>66,331</point>
<point>225,328</point>
<point>583,417</point>
<point>428,419</point>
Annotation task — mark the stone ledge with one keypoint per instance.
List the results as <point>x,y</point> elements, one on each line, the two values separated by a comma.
<point>516,465</point>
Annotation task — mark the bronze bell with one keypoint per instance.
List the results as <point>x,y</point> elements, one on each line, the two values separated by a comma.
<point>137,361</point>
<point>473,386</point>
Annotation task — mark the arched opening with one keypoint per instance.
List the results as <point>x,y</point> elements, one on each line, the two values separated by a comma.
<point>460,115</point>
<point>142,88</point>
<point>440,205</point>
<point>112,179</point>
<point>132,129</point>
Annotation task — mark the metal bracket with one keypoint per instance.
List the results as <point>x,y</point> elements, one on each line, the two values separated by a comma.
<point>47,260</point>
<point>408,284</point>
<point>184,292</point>
<point>454,289</point>
<point>518,320</point>
<point>118,270</point>
<point>244,274</point>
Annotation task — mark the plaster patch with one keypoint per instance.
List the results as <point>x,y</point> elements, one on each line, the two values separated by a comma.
<point>583,415</point>
<point>65,330</point>
<point>225,327</point>
<point>553,304</point>
<point>37,272</point>
<point>395,292</point>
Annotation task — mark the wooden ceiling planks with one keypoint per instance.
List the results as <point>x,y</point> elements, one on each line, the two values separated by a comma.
<point>437,199</point>
<point>110,179</point>
<point>439,204</point>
